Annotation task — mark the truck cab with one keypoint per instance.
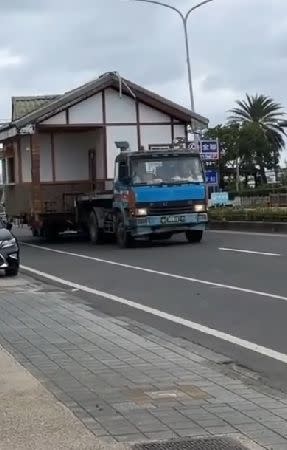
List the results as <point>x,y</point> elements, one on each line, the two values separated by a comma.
<point>159,193</point>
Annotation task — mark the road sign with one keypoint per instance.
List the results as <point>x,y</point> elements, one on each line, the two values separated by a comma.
<point>220,199</point>
<point>209,150</point>
<point>212,177</point>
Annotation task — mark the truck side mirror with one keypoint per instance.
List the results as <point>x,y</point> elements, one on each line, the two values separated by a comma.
<point>124,176</point>
<point>126,180</point>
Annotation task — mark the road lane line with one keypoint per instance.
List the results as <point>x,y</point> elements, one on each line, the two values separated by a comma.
<point>164,274</point>
<point>248,252</point>
<point>163,315</point>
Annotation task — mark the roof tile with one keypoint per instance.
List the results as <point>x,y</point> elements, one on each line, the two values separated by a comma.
<point>21,106</point>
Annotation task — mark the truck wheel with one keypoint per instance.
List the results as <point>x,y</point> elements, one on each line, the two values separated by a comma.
<point>124,239</point>
<point>96,234</point>
<point>50,234</point>
<point>35,232</point>
<point>194,236</point>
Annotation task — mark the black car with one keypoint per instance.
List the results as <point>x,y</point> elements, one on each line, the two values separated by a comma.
<point>9,250</point>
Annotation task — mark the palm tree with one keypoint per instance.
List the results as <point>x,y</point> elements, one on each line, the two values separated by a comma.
<point>266,118</point>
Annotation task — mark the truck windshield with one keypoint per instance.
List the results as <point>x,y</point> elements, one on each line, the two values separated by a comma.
<point>167,170</point>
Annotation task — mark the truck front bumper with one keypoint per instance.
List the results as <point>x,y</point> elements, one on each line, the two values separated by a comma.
<point>179,223</point>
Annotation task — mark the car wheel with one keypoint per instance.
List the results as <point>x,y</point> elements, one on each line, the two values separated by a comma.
<point>12,271</point>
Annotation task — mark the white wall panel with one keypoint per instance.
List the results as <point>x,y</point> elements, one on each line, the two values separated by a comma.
<point>58,119</point>
<point>179,131</point>
<point>72,155</point>
<point>88,111</point>
<point>155,134</point>
<point>119,133</point>
<point>119,109</point>
<point>150,115</point>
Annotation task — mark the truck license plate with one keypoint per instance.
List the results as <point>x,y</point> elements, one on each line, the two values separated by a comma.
<point>172,219</point>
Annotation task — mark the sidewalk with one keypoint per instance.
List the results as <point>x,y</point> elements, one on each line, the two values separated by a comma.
<point>123,382</point>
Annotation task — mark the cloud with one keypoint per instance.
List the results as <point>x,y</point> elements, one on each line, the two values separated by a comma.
<point>236,46</point>
<point>8,59</point>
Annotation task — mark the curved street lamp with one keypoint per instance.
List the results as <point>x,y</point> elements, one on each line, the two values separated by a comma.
<point>184,18</point>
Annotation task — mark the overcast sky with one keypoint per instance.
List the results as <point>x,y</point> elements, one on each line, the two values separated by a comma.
<point>237,46</point>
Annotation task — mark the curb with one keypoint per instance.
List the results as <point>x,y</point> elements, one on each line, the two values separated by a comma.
<point>269,227</point>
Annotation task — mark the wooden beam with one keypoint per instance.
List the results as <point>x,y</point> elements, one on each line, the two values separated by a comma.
<point>53,157</point>
<point>105,134</point>
<point>35,174</point>
<point>19,159</point>
<point>138,123</point>
<point>172,130</point>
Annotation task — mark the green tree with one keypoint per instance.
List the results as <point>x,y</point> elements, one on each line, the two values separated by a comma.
<point>228,136</point>
<point>262,131</point>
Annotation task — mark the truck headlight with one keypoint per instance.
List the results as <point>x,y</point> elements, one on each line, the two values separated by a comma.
<point>141,212</point>
<point>8,243</point>
<point>199,208</point>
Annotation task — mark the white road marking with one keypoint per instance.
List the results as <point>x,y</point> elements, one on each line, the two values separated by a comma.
<point>163,315</point>
<point>249,233</point>
<point>164,274</point>
<point>248,252</point>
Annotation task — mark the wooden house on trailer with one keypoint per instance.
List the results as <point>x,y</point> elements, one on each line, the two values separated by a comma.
<point>57,147</point>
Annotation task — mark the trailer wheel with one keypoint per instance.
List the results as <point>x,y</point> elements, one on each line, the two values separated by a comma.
<point>124,238</point>
<point>194,236</point>
<point>35,232</point>
<point>96,234</point>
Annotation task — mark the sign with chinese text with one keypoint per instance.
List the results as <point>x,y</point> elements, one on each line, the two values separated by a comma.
<point>209,150</point>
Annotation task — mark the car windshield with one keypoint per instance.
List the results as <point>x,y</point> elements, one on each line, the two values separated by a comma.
<point>167,170</point>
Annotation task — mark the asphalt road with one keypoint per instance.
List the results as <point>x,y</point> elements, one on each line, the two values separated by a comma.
<point>232,285</point>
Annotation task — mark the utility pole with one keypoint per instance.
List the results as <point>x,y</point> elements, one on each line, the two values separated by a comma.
<point>184,19</point>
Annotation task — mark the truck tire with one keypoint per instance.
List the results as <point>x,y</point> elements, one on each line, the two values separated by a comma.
<point>35,232</point>
<point>124,238</point>
<point>50,233</point>
<point>96,234</point>
<point>194,236</point>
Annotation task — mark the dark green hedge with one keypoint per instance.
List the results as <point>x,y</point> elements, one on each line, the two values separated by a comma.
<point>258,214</point>
<point>259,192</point>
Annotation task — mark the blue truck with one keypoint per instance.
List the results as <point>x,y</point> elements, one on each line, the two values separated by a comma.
<point>156,194</point>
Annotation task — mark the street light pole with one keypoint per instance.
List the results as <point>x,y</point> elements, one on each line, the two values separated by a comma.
<point>184,18</point>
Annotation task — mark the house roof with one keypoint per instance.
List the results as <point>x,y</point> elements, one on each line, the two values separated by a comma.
<point>21,106</point>
<point>37,109</point>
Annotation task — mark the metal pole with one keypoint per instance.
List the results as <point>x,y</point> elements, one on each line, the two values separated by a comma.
<point>189,77</point>
<point>184,19</point>
<point>188,65</point>
<point>237,173</point>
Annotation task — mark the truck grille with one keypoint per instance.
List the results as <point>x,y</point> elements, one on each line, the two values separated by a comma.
<point>170,210</point>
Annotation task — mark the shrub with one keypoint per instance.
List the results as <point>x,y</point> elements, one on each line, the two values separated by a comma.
<point>257,214</point>
<point>261,191</point>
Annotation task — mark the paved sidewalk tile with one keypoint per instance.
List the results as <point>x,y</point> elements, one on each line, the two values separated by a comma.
<point>127,382</point>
